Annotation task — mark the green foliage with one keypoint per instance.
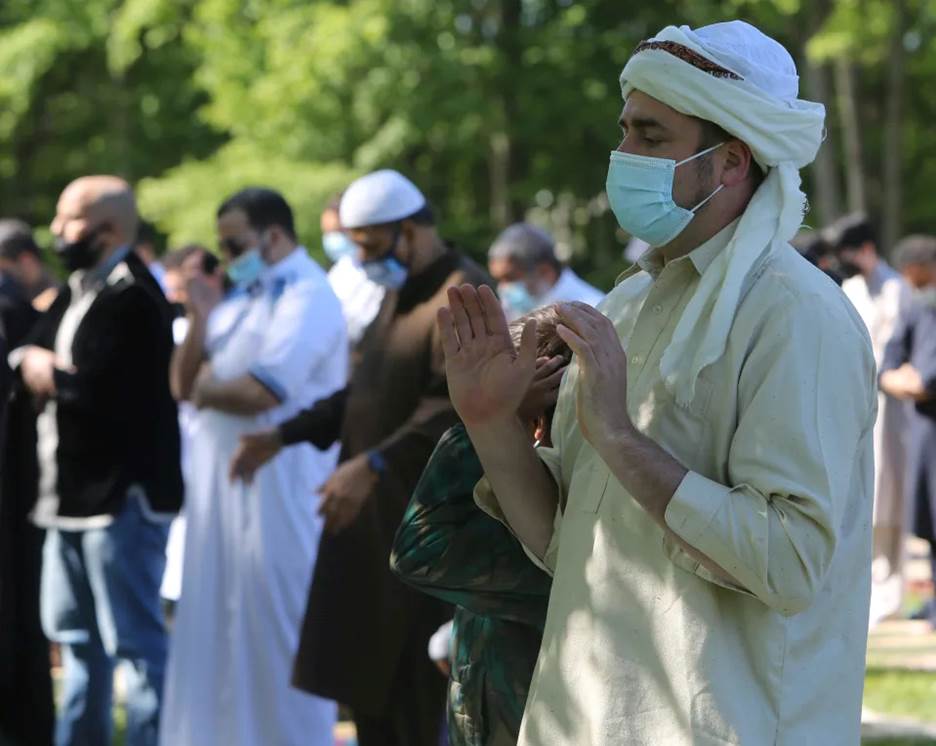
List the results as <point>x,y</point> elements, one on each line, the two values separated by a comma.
<point>498,109</point>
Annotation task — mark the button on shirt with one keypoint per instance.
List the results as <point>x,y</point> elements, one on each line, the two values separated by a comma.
<point>642,644</point>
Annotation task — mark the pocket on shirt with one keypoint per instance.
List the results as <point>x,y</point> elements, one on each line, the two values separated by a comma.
<point>681,429</point>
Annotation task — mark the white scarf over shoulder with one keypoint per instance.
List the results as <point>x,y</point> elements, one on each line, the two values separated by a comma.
<point>746,83</point>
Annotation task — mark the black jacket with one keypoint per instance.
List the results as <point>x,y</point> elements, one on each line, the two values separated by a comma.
<point>117,421</point>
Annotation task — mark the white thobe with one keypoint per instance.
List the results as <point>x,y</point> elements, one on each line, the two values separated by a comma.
<point>880,300</point>
<point>360,298</point>
<point>250,550</point>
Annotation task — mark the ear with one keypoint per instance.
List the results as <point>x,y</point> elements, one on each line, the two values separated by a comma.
<point>738,163</point>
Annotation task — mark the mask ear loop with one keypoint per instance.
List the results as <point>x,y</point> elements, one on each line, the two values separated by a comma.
<point>717,190</point>
<point>699,154</point>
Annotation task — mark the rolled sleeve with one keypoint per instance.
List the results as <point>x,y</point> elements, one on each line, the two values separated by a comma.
<point>268,380</point>
<point>798,463</point>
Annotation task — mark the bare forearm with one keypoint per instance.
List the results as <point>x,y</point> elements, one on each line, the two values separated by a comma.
<point>187,359</point>
<point>651,476</point>
<point>243,396</point>
<point>526,492</point>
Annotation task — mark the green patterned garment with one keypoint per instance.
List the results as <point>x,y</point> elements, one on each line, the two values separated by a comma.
<point>450,549</point>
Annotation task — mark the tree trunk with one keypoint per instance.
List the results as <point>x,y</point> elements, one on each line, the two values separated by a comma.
<point>892,150</point>
<point>851,132</point>
<point>828,190</point>
<point>501,143</point>
<point>828,185</point>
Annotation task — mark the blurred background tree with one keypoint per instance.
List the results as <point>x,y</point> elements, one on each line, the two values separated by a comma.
<point>498,109</point>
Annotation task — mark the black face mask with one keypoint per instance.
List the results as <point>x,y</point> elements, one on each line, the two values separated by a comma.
<point>80,254</point>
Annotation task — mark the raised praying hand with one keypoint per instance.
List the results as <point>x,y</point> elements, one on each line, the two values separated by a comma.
<point>487,376</point>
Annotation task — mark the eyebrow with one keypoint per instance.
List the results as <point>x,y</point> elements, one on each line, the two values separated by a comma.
<point>642,123</point>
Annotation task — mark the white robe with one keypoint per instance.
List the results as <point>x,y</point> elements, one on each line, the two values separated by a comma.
<point>250,551</point>
<point>880,302</point>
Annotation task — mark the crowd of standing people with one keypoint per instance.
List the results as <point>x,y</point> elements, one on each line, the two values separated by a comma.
<point>665,514</point>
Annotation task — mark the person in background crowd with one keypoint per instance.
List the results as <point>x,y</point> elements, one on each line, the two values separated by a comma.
<point>523,262</point>
<point>148,248</point>
<point>705,509</point>
<point>908,373</point>
<point>21,259</point>
<point>499,594</point>
<point>27,714</point>
<point>365,633</point>
<point>360,297</point>
<point>182,266</point>
<point>274,345</point>
<point>815,249</point>
<point>881,297</point>
<point>109,463</point>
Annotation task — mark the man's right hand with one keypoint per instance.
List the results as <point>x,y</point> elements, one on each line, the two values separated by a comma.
<point>254,451</point>
<point>487,377</point>
<point>203,296</point>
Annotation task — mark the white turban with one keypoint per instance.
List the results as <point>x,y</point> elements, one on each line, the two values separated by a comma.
<point>733,75</point>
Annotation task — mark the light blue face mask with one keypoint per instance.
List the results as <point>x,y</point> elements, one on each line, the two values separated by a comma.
<point>387,272</point>
<point>516,299</point>
<point>246,268</point>
<point>640,191</point>
<point>337,245</point>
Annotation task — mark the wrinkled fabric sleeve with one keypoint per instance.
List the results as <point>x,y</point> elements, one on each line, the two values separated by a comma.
<point>807,403</point>
<point>900,346</point>
<point>305,328</point>
<point>449,549</point>
<point>408,448</point>
<point>319,425</point>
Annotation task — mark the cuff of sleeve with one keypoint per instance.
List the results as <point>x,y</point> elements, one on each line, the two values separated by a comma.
<point>15,358</point>
<point>269,381</point>
<point>292,431</point>
<point>693,507</point>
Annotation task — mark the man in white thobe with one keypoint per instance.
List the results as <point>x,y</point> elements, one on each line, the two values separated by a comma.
<point>881,296</point>
<point>273,346</point>
<point>705,509</point>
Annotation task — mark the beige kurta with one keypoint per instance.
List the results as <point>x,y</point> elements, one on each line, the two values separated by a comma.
<point>642,646</point>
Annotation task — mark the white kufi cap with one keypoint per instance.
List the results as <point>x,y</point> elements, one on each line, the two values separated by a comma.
<point>380,197</point>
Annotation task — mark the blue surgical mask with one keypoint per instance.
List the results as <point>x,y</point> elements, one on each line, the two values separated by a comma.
<point>516,299</point>
<point>246,268</point>
<point>640,191</point>
<point>337,245</point>
<point>387,271</point>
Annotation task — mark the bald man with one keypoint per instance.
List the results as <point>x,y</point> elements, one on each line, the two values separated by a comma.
<point>110,479</point>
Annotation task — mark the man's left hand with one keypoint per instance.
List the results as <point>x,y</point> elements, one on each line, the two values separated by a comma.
<point>601,394</point>
<point>345,492</point>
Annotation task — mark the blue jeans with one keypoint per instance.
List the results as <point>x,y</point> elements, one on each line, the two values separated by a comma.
<point>100,602</point>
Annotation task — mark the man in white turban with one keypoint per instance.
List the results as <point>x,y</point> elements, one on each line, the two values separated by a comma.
<point>705,509</point>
